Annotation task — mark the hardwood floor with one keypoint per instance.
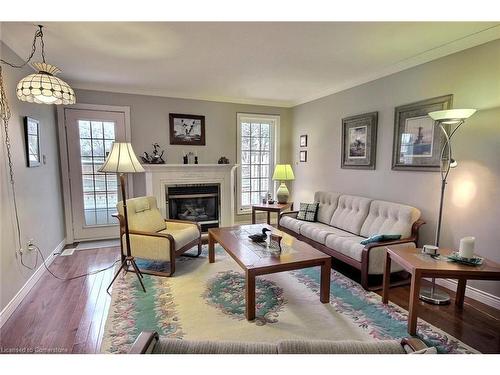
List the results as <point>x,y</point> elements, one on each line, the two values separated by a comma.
<point>63,316</point>
<point>69,316</point>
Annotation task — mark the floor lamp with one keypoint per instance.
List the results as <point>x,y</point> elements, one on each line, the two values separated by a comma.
<point>451,119</point>
<point>122,160</point>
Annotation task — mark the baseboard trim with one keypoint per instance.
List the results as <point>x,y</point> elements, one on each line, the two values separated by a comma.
<point>471,292</point>
<point>9,309</point>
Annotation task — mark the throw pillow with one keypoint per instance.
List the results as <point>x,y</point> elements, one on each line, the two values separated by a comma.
<point>308,211</point>
<point>380,238</point>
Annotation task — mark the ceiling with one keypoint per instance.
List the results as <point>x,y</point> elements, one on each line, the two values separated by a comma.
<point>276,63</point>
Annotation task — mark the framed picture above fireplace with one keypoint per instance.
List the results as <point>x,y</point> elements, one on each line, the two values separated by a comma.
<point>187,129</point>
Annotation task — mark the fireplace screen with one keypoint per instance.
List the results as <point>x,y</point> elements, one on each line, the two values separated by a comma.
<point>198,203</point>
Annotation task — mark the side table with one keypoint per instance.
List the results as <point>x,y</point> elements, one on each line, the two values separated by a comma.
<point>424,266</point>
<point>275,207</point>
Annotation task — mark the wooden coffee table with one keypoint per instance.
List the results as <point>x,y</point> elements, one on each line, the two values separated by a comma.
<point>420,265</point>
<point>256,260</point>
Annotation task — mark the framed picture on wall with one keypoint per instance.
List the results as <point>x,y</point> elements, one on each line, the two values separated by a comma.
<point>187,129</point>
<point>359,141</point>
<point>303,156</point>
<point>417,141</point>
<point>303,140</point>
<point>32,138</point>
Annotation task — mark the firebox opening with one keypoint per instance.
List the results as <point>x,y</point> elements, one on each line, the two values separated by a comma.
<point>199,203</point>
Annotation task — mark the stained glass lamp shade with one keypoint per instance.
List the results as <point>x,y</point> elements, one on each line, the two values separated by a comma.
<point>44,87</point>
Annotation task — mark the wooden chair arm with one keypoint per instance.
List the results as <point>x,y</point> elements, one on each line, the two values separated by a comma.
<point>388,243</point>
<point>414,343</point>
<point>415,227</point>
<point>143,342</point>
<point>119,217</point>
<point>288,213</point>
<point>152,234</point>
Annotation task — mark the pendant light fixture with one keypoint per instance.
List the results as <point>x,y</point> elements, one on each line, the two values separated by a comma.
<point>43,87</point>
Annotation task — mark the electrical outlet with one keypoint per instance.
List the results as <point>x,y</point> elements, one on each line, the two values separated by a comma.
<point>30,245</point>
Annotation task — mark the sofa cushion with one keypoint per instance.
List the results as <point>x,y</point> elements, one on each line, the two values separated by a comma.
<point>389,218</point>
<point>351,212</point>
<point>327,204</point>
<point>308,211</point>
<point>349,246</point>
<point>291,223</point>
<point>176,346</point>
<point>339,347</point>
<point>143,214</point>
<point>319,231</point>
<point>182,233</point>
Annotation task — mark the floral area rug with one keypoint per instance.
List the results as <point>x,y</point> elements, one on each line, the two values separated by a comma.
<point>204,301</point>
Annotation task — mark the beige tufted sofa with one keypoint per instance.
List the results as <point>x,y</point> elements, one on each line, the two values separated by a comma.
<point>154,238</point>
<point>343,221</point>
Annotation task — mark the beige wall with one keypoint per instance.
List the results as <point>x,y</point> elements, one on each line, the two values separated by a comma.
<point>472,201</point>
<point>38,189</point>
<point>149,124</point>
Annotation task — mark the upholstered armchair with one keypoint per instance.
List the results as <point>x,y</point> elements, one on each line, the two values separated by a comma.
<point>154,238</point>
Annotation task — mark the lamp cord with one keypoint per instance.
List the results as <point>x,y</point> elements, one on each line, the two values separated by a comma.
<point>5,115</point>
<point>38,34</point>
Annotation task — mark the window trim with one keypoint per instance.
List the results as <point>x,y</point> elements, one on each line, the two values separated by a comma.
<point>274,120</point>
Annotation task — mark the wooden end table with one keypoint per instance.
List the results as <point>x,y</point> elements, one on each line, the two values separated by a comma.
<point>275,207</point>
<point>421,265</point>
<point>255,261</point>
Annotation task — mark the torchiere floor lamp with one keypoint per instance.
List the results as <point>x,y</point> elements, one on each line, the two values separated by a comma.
<point>451,118</point>
<point>122,160</point>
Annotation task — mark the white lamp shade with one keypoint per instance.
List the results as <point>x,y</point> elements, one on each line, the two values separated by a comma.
<point>283,172</point>
<point>44,87</point>
<point>451,116</point>
<point>121,159</point>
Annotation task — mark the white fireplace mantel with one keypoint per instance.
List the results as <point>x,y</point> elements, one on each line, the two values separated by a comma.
<point>158,176</point>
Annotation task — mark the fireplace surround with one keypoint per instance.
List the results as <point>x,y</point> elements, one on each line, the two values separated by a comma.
<point>158,178</point>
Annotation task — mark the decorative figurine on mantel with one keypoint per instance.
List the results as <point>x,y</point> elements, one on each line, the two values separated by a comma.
<point>190,158</point>
<point>156,157</point>
<point>223,160</point>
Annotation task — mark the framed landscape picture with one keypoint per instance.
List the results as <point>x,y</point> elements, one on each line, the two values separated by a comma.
<point>32,138</point>
<point>187,129</point>
<point>359,141</point>
<point>303,140</point>
<point>417,141</point>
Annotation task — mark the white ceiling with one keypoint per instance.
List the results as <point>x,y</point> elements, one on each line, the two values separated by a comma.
<point>282,64</point>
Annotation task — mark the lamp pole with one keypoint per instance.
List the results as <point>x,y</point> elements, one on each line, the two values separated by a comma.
<point>431,295</point>
<point>129,259</point>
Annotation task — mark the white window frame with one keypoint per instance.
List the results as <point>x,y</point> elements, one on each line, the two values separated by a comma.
<point>274,120</point>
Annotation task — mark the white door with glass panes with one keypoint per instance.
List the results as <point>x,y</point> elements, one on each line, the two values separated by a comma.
<point>257,136</point>
<point>90,135</point>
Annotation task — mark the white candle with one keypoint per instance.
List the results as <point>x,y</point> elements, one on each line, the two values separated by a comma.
<point>466,249</point>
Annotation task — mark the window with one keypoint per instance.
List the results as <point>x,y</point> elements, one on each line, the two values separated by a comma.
<point>257,139</point>
<point>100,190</point>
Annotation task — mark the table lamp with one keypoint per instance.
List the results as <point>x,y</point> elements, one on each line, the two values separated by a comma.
<point>453,119</point>
<point>122,160</point>
<point>283,172</point>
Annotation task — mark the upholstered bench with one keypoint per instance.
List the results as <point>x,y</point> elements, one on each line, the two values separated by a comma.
<point>343,221</point>
<point>151,343</point>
